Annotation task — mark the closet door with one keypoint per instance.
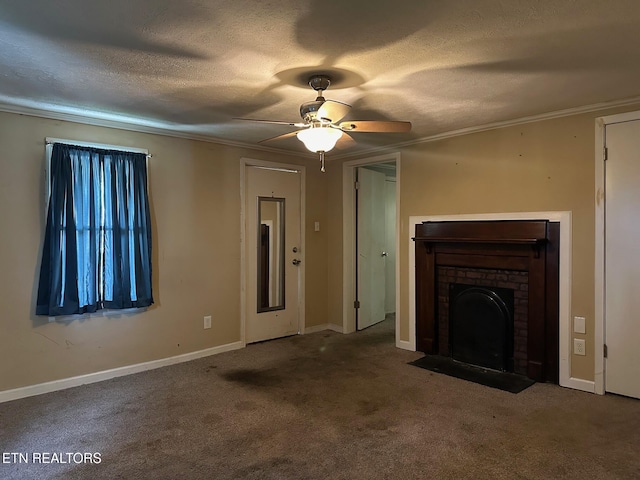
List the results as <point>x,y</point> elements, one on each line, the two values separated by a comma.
<point>622,259</point>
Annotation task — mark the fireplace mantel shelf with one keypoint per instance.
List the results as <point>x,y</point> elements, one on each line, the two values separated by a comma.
<point>514,241</point>
<point>486,232</point>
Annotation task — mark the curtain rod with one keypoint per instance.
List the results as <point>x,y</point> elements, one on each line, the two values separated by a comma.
<point>51,141</point>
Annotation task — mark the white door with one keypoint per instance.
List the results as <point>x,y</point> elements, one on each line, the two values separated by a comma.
<point>273,253</point>
<point>371,255</point>
<point>622,259</point>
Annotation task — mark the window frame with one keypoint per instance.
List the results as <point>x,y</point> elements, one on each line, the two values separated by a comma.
<point>49,141</point>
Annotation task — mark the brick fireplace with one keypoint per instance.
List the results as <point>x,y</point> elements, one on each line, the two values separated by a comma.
<point>520,257</point>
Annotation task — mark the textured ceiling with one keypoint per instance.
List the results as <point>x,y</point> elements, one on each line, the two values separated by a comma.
<point>193,65</point>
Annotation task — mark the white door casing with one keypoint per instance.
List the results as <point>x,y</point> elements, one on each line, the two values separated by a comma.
<point>371,247</point>
<point>622,258</point>
<point>390,245</point>
<point>272,181</point>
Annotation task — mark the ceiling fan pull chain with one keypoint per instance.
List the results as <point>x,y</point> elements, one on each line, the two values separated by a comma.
<point>321,161</point>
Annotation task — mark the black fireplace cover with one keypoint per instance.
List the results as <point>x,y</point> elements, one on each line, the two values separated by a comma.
<point>481,326</point>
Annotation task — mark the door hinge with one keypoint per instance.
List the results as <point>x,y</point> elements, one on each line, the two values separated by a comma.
<point>356,304</point>
<point>605,350</point>
<point>356,185</point>
<point>606,153</point>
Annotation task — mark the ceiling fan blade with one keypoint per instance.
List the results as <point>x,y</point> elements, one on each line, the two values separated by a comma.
<point>279,137</point>
<point>276,122</point>
<point>333,111</point>
<point>345,141</point>
<point>375,126</point>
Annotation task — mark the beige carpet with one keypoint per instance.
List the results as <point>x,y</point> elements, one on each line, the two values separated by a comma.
<point>320,406</point>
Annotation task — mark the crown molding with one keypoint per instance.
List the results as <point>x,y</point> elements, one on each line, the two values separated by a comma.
<point>135,125</point>
<point>495,125</point>
<point>171,130</point>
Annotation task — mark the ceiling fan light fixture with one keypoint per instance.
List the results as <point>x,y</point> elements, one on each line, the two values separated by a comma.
<point>319,139</point>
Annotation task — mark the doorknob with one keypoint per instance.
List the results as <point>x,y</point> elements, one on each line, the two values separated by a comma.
<point>296,262</point>
<point>384,254</point>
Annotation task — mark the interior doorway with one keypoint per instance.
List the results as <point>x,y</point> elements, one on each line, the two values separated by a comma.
<point>375,243</point>
<point>272,250</point>
<point>370,241</point>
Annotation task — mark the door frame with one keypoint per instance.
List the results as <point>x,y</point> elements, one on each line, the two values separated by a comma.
<point>251,162</point>
<point>599,294</point>
<point>349,271</point>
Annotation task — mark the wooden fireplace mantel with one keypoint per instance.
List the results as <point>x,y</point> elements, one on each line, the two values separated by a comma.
<point>519,232</point>
<point>531,246</point>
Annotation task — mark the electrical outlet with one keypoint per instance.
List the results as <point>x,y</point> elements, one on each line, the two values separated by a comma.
<point>579,346</point>
<point>207,321</point>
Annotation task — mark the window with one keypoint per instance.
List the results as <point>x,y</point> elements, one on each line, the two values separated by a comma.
<point>97,247</point>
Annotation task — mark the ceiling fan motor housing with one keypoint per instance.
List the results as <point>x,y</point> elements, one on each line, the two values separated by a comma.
<point>309,110</point>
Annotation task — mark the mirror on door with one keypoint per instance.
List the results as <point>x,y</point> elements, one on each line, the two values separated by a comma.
<point>270,254</point>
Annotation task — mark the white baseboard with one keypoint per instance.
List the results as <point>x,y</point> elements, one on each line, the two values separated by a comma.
<point>335,328</point>
<point>47,387</point>
<point>405,345</point>
<point>316,328</point>
<point>324,326</point>
<point>579,384</point>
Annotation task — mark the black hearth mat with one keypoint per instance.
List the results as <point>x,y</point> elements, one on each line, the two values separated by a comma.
<point>509,382</point>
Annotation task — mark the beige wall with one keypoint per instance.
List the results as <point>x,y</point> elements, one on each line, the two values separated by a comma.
<point>541,166</point>
<point>194,186</point>
<point>195,198</point>
<point>335,297</point>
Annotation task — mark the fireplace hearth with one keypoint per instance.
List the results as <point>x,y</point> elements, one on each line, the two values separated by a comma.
<point>487,294</point>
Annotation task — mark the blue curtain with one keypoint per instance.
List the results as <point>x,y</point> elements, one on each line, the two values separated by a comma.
<point>97,247</point>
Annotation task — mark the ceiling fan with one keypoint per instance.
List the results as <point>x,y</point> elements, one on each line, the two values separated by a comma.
<point>321,129</point>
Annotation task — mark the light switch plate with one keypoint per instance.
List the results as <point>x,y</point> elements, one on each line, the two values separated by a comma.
<point>579,325</point>
<point>316,226</point>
